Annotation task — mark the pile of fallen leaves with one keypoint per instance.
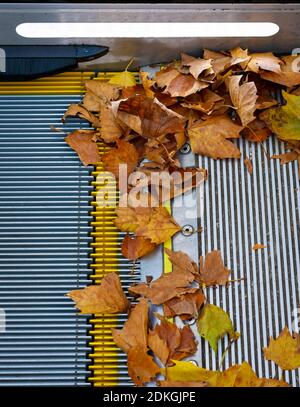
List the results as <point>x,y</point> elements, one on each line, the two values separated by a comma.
<point>207,102</point>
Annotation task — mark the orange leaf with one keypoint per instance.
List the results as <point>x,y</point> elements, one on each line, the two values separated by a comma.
<point>258,246</point>
<point>213,271</point>
<point>125,153</point>
<point>83,113</point>
<point>106,298</point>
<point>85,146</point>
<point>135,247</point>
<point>141,367</point>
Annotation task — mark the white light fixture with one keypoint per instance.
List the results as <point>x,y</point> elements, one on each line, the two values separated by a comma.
<point>145,30</point>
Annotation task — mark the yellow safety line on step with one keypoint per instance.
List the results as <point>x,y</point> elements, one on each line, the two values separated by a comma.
<point>168,245</point>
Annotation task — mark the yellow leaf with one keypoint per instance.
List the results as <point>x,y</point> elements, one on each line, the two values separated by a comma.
<point>285,350</point>
<point>214,323</point>
<point>285,120</point>
<point>124,79</point>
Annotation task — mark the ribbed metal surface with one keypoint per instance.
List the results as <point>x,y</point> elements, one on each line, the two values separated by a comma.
<point>44,239</point>
<point>239,211</point>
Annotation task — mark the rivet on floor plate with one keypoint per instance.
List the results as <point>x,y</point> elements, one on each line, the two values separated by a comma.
<point>185,149</point>
<point>187,230</point>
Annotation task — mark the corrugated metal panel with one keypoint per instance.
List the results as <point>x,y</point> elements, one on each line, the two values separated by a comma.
<point>44,236</point>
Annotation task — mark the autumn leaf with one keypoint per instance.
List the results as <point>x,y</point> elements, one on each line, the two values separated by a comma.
<point>213,271</point>
<point>155,121</point>
<point>124,79</point>
<point>110,130</point>
<point>208,137</point>
<point>141,367</point>
<point>106,298</point>
<point>125,153</point>
<point>98,94</point>
<point>289,75</point>
<point>186,306</point>
<point>147,84</point>
<point>235,376</point>
<point>196,65</point>
<point>134,247</point>
<point>288,157</point>
<point>284,350</point>
<point>264,60</point>
<point>206,103</point>
<point>83,113</point>
<point>284,121</point>
<point>85,146</point>
<point>248,165</point>
<point>258,246</point>
<point>168,342</point>
<point>213,323</point>
<point>243,98</point>
<point>129,336</point>
<point>256,131</point>
<point>170,383</point>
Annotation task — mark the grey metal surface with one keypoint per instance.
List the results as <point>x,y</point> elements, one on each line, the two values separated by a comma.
<point>286,15</point>
<point>44,245</point>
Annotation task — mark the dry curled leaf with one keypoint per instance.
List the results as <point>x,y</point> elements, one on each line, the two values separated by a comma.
<point>284,350</point>
<point>98,94</point>
<point>196,66</point>
<point>256,131</point>
<point>106,298</point>
<point>141,367</point>
<point>213,323</point>
<point>258,246</point>
<point>85,146</point>
<point>213,271</point>
<point>288,76</point>
<point>147,84</point>
<point>243,98</point>
<point>186,306</point>
<point>83,113</point>
<point>124,154</point>
<point>206,102</point>
<point>266,61</point>
<point>168,342</point>
<point>248,165</point>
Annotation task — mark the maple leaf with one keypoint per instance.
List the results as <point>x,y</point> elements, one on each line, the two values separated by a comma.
<point>141,367</point>
<point>256,131</point>
<point>155,224</point>
<point>110,130</point>
<point>129,336</point>
<point>98,94</point>
<point>135,247</point>
<point>83,113</point>
<point>213,271</point>
<point>265,61</point>
<point>284,350</point>
<point>155,121</point>
<point>240,56</point>
<point>209,137</point>
<point>243,98</point>
<point>206,103</point>
<point>85,146</point>
<point>167,341</point>
<point>235,376</point>
<point>186,306</point>
<point>106,298</point>
<point>284,120</point>
<point>124,153</point>
<point>288,76</point>
<point>213,323</point>
<point>196,65</point>
<point>124,79</point>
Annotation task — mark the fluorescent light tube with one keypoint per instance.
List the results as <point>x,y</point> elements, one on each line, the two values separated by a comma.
<point>145,30</point>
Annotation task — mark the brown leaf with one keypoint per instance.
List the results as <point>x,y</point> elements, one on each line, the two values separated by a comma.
<point>83,113</point>
<point>129,336</point>
<point>196,65</point>
<point>141,367</point>
<point>147,84</point>
<point>240,56</point>
<point>110,130</point>
<point>258,246</point>
<point>209,137</point>
<point>265,61</point>
<point>85,146</point>
<point>243,97</point>
<point>155,121</point>
<point>168,342</point>
<point>170,383</point>
<point>135,247</point>
<point>256,131</point>
<point>248,165</point>
<point>213,271</point>
<point>106,298</point>
<point>208,101</point>
<point>186,306</point>
<point>288,76</point>
<point>99,94</point>
<point>124,153</point>
<point>288,157</point>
